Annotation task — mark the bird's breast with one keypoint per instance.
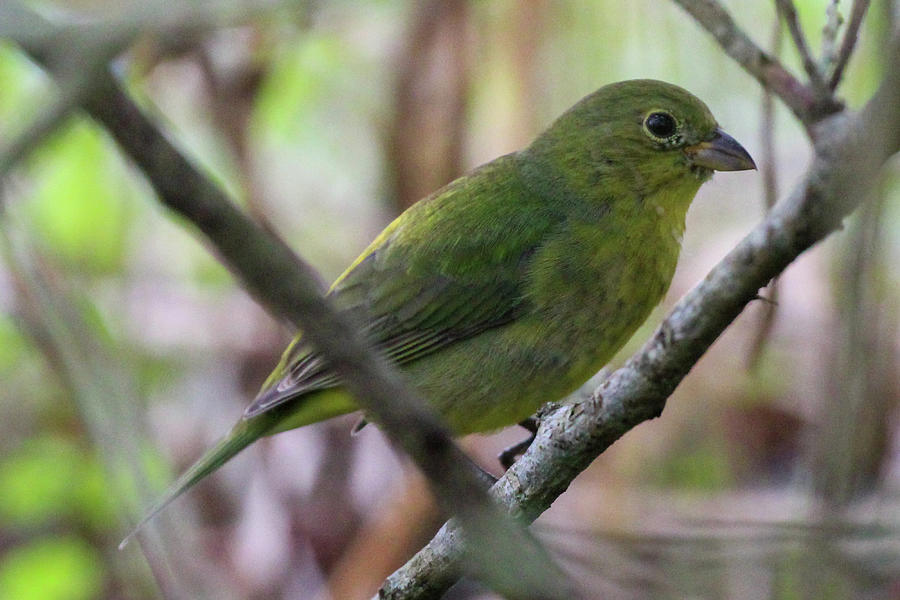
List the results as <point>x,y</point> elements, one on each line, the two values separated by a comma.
<point>593,284</point>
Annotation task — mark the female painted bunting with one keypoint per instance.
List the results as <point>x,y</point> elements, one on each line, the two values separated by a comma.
<point>514,284</point>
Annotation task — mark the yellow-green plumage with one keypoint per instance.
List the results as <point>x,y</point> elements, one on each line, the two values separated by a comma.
<point>512,285</point>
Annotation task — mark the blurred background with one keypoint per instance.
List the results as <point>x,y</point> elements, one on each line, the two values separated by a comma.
<point>126,349</point>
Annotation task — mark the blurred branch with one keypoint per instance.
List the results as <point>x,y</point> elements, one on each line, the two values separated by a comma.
<point>849,153</point>
<point>85,56</point>
<point>849,42</point>
<point>425,141</point>
<point>504,554</point>
<point>768,169</point>
<point>854,437</point>
<point>407,519</point>
<point>232,93</point>
<point>78,51</point>
<point>833,22</point>
<point>39,37</point>
<point>808,104</point>
<point>788,12</point>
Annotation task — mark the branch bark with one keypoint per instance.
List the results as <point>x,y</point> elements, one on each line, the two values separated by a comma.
<point>768,170</point>
<point>849,153</point>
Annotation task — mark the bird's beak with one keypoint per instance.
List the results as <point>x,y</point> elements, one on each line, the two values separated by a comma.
<point>720,153</point>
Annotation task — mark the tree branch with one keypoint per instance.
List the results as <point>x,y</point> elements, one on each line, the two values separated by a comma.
<point>849,42</point>
<point>503,553</point>
<point>830,30</point>
<point>768,170</point>
<point>849,153</point>
<point>85,56</point>
<point>78,52</point>
<point>808,105</point>
<point>789,12</point>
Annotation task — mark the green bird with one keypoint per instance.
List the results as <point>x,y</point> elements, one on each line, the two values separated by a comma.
<point>514,284</point>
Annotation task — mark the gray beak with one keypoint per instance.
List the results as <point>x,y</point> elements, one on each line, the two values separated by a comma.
<point>720,153</point>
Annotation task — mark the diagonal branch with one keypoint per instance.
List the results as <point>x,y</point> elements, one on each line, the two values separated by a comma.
<point>860,7</point>
<point>850,152</point>
<point>85,56</point>
<point>78,52</point>
<point>830,30</point>
<point>286,285</point>
<point>788,12</point>
<point>808,105</point>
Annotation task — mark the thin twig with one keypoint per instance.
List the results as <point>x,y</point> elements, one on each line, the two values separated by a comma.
<point>788,12</point>
<point>860,7</point>
<point>768,169</point>
<point>809,106</point>
<point>833,22</point>
<point>849,452</point>
<point>85,57</point>
<point>42,126</point>
<point>231,97</point>
<point>79,51</point>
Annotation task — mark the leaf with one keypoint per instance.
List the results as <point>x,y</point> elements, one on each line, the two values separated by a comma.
<point>78,205</point>
<point>51,569</point>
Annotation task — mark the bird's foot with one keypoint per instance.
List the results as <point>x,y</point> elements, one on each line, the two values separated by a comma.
<point>509,455</point>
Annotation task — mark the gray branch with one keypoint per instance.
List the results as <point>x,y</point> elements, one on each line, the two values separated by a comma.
<point>788,12</point>
<point>860,7</point>
<point>849,154</point>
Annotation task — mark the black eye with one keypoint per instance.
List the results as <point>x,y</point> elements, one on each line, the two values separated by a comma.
<point>660,124</point>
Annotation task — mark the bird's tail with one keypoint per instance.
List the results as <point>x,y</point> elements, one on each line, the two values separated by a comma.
<point>242,435</point>
<point>311,408</point>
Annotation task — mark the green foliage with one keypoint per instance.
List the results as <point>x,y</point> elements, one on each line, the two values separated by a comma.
<point>704,467</point>
<point>80,203</point>
<point>65,568</point>
<point>51,479</point>
<point>298,81</point>
<point>21,85</point>
<point>312,93</point>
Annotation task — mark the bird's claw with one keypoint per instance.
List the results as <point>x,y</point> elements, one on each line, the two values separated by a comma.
<point>508,456</point>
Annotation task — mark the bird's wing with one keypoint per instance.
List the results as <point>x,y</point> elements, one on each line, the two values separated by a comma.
<point>450,267</point>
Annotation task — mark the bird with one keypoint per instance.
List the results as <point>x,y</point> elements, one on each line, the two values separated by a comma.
<point>514,284</point>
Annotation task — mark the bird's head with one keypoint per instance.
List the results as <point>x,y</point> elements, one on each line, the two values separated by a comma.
<point>643,134</point>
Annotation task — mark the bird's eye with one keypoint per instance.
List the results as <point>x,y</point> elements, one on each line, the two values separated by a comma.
<point>660,125</point>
